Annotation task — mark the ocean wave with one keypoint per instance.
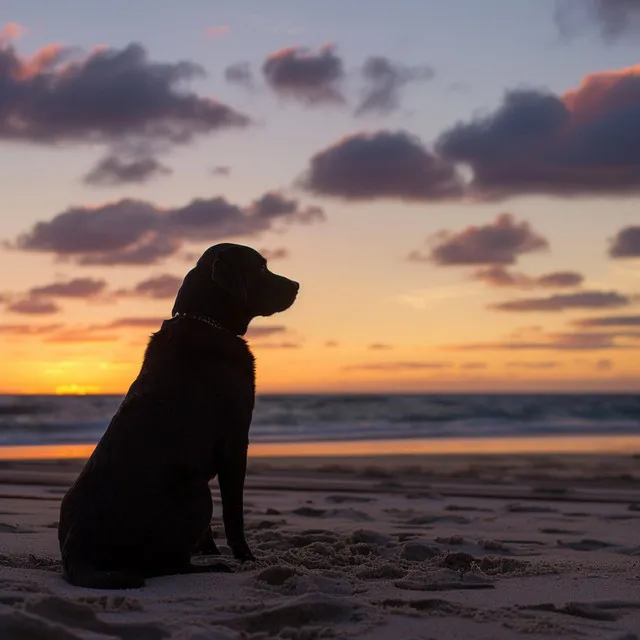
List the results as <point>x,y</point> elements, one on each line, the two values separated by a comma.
<point>29,420</point>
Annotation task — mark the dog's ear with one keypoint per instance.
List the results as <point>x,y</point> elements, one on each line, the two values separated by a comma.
<point>231,277</point>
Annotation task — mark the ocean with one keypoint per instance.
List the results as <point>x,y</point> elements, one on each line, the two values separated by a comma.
<point>61,420</point>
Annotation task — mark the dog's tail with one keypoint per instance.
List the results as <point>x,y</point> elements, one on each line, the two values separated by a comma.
<point>84,575</point>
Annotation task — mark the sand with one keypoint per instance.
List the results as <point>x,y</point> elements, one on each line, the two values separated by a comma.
<point>395,548</point>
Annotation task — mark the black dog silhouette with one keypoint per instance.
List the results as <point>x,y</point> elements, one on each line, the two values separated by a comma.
<point>142,505</point>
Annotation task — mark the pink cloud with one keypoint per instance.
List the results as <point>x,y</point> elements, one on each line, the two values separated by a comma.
<point>12,31</point>
<point>218,31</point>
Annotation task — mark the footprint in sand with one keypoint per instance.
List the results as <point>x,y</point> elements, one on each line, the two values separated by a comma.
<point>586,544</point>
<point>309,609</point>
<point>560,532</point>
<point>425,520</point>
<point>309,512</point>
<point>45,617</point>
<point>341,499</point>
<point>455,507</point>
<point>12,528</point>
<point>349,514</point>
<point>529,508</point>
<point>443,580</point>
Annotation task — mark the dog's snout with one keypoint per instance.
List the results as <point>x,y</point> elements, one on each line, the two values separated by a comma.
<point>296,285</point>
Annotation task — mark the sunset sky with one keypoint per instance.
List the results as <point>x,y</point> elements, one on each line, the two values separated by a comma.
<point>455,185</point>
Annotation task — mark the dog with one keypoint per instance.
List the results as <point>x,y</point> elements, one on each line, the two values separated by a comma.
<point>141,507</point>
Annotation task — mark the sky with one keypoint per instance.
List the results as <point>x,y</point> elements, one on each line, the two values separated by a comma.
<point>455,186</point>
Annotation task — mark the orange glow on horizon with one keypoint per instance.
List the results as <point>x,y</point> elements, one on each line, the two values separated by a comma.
<point>444,446</point>
<point>77,390</point>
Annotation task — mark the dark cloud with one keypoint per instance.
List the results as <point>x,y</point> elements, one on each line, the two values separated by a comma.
<point>379,346</point>
<point>473,365</point>
<point>108,96</point>
<point>609,321</point>
<point>222,170</point>
<point>113,171</point>
<point>565,302</point>
<point>124,323</point>
<point>397,366</point>
<point>138,232</point>
<point>240,73</point>
<point>550,364</point>
<point>331,344</point>
<point>59,333</point>
<point>76,288</point>
<point>381,165</point>
<point>496,243</point>
<point>159,287</point>
<point>560,279</point>
<point>499,276</point>
<point>612,18</point>
<point>79,335</point>
<point>312,77</point>
<point>276,345</point>
<point>586,141</point>
<point>580,341</point>
<point>385,79</point>
<point>33,306</point>
<point>626,244</point>
<point>274,205</point>
<point>150,249</point>
<point>255,333</point>
<point>27,329</point>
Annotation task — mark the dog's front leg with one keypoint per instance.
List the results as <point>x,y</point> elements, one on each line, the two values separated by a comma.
<point>207,545</point>
<point>231,480</point>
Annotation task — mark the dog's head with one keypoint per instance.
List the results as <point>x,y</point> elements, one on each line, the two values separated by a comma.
<point>232,282</point>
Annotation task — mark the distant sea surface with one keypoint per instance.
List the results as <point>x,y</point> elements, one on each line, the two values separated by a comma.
<point>57,420</point>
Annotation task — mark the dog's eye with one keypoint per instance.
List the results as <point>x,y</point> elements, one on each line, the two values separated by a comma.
<point>263,268</point>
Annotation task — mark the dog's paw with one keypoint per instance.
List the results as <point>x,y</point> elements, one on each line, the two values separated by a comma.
<point>242,552</point>
<point>214,567</point>
<point>208,548</point>
<point>206,545</point>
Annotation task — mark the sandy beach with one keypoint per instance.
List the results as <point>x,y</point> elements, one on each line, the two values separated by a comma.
<point>396,547</point>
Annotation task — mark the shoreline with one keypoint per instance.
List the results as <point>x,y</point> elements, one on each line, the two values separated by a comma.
<point>600,444</point>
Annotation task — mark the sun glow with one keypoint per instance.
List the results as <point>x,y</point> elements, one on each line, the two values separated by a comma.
<point>77,389</point>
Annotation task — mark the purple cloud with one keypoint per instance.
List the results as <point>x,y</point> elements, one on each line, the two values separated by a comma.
<point>609,321</point>
<point>586,141</point>
<point>33,306</point>
<point>113,171</point>
<point>398,366</point>
<point>138,232</point>
<point>159,287</point>
<point>311,77</point>
<point>566,302</point>
<point>76,288</point>
<point>108,96</point>
<point>385,80</point>
<point>499,276</point>
<point>381,165</point>
<point>497,243</point>
<point>239,73</point>
<point>626,244</point>
<point>612,18</point>
<point>579,341</point>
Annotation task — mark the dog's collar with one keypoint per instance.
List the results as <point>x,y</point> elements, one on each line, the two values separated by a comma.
<point>209,321</point>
